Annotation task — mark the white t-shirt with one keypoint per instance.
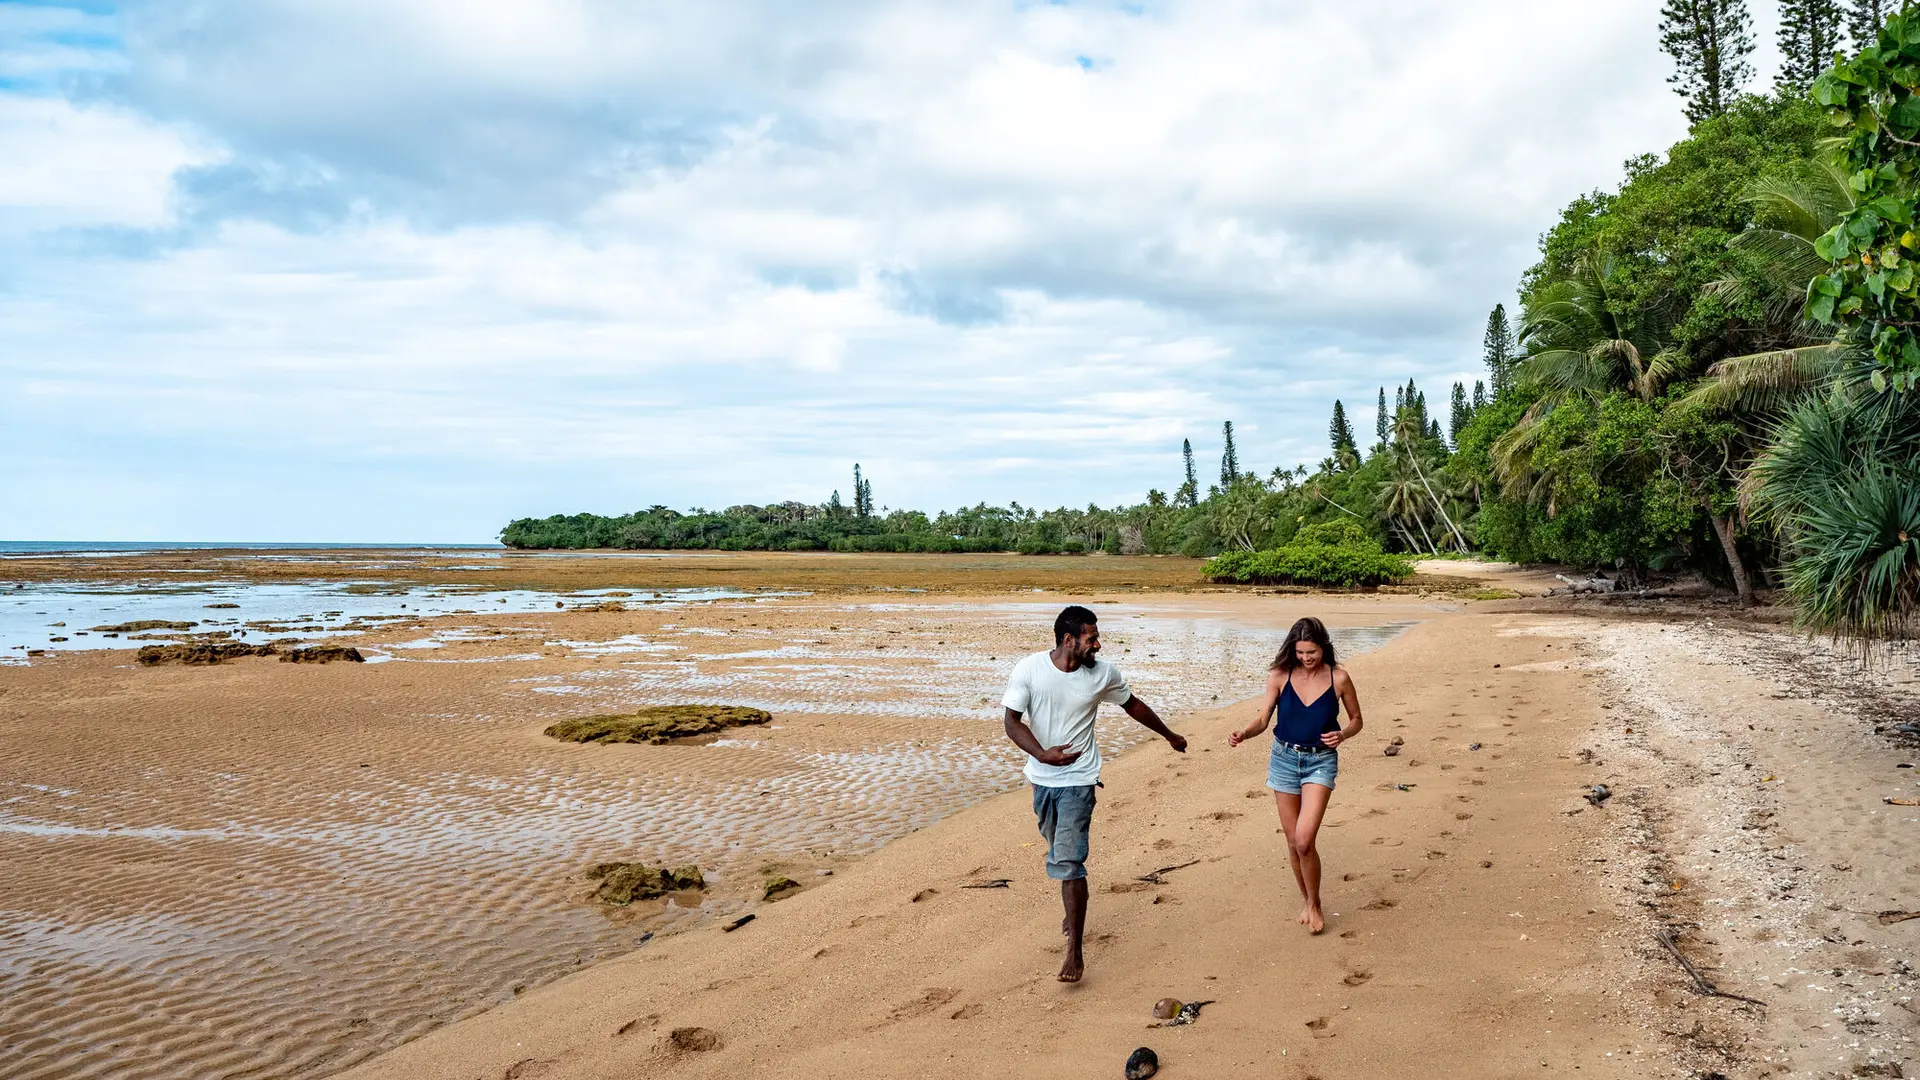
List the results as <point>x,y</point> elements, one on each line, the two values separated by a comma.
<point>1059,707</point>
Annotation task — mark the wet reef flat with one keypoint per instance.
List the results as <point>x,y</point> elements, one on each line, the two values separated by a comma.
<point>279,869</point>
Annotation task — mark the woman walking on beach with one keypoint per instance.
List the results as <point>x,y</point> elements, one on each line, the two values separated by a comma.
<point>1305,692</point>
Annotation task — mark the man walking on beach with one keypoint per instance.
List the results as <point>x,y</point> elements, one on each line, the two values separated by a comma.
<point>1059,692</point>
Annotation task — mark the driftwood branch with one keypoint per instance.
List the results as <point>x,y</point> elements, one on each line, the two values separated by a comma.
<point>1700,982</point>
<point>1154,878</point>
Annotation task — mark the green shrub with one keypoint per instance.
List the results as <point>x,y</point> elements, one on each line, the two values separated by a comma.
<point>1336,555</point>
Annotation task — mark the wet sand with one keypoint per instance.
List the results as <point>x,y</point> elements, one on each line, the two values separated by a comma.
<point>268,869</point>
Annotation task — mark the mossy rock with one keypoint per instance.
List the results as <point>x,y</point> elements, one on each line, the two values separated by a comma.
<point>200,652</point>
<point>658,724</point>
<point>779,887</point>
<point>323,654</point>
<point>143,624</point>
<point>621,883</point>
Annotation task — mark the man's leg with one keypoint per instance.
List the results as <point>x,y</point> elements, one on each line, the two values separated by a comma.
<point>1066,821</point>
<point>1073,896</point>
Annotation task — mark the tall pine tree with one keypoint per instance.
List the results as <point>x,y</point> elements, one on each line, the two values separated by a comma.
<point>1809,36</point>
<point>1865,18</point>
<point>1382,422</point>
<point>1710,42</point>
<point>860,507</point>
<point>1479,395</point>
<point>1229,460</point>
<point>1339,432</point>
<point>1189,493</point>
<point>1461,413</point>
<point>1499,348</point>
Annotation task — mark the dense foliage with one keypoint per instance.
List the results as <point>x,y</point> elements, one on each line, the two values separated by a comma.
<point>1872,291</point>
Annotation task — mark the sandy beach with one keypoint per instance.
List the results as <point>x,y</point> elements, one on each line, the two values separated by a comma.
<point>270,869</point>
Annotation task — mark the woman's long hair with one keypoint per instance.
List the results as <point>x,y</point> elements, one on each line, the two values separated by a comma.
<point>1307,629</point>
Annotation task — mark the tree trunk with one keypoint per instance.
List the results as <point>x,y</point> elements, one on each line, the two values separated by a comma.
<point>1742,584</point>
<point>1417,471</point>
<point>1431,548</point>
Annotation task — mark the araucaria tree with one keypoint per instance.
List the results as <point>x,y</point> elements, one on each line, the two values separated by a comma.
<point>1461,413</point>
<point>1229,460</point>
<point>1381,419</point>
<point>1710,42</point>
<point>1340,433</point>
<point>1809,36</point>
<point>862,495</point>
<point>1189,493</point>
<point>1499,348</point>
<point>1865,18</point>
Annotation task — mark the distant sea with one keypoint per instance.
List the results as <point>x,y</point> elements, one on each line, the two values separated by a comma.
<point>108,547</point>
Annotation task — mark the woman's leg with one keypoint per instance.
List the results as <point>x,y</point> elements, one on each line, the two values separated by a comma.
<point>1301,841</point>
<point>1289,806</point>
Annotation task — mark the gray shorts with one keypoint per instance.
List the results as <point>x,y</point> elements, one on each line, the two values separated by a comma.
<point>1066,817</point>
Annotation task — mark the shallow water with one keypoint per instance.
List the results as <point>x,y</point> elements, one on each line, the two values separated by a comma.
<point>35,614</point>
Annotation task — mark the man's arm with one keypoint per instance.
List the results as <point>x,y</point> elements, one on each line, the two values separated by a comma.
<point>1022,737</point>
<point>1150,720</point>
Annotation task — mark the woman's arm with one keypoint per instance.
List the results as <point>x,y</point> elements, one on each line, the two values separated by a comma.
<point>1343,685</point>
<point>1275,681</point>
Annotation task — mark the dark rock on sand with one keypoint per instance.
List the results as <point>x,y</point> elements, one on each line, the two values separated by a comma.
<point>621,883</point>
<point>658,724</point>
<point>323,654</point>
<point>778,887</point>
<point>199,652</point>
<point>696,1039</point>
<point>1142,1063</point>
<point>143,624</point>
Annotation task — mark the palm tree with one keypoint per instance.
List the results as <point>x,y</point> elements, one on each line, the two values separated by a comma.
<point>1575,342</point>
<point>1792,210</point>
<point>1403,503</point>
<point>1408,435</point>
<point>1576,345</point>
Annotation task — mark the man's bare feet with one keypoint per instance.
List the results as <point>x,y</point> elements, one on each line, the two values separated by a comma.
<point>1074,967</point>
<point>1314,920</point>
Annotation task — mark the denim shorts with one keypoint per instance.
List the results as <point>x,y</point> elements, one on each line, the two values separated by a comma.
<point>1066,816</point>
<point>1290,767</point>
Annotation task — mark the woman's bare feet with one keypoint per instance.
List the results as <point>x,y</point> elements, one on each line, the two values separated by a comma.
<point>1314,921</point>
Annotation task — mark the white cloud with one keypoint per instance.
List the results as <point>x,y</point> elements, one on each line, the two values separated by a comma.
<point>584,254</point>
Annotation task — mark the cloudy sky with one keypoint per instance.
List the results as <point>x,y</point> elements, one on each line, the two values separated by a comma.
<point>405,269</point>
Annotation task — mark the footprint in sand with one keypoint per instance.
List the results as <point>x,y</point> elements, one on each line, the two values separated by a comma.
<point>929,1000</point>
<point>528,1068</point>
<point>1381,904</point>
<point>627,1028</point>
<point>1221,815</point>
<point>1318,1025</point>
<point>1357,978</point>
<point>968,1012</point>
<point>1162,844</point>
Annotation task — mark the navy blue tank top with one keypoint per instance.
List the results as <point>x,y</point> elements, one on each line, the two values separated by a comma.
<point>1302,724</point>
